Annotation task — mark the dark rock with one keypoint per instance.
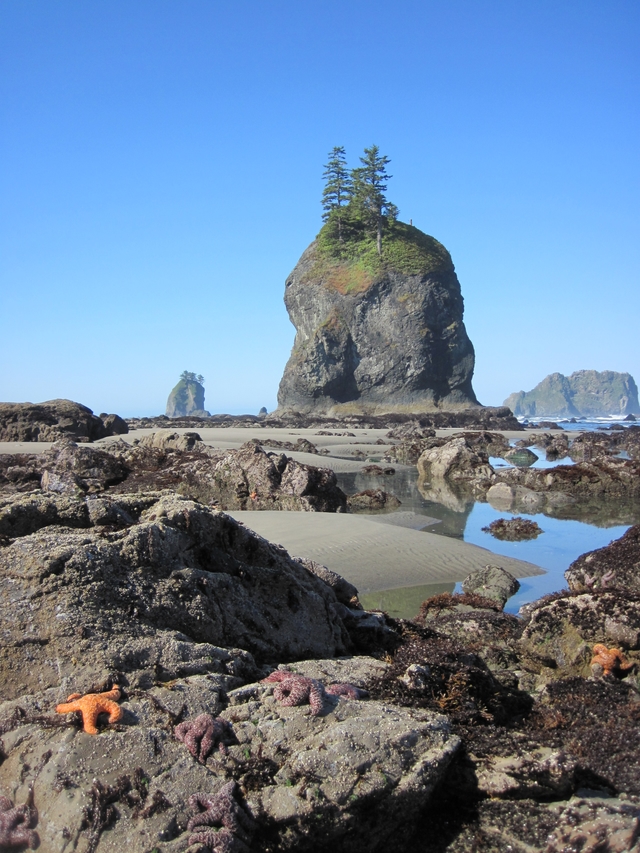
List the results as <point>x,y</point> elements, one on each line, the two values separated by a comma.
<point>71,469</point>
<point>492,582</point>
<point>457,461</point>
<point>390,342</point>
<point>616,566</point>
<point>249,478</point>
<point>409,450</point>
<point>560,631</point>
<point>345,592</point>
<point>599,477</point>
<point>521,457</point>
<point>180,567</point>
<point>114,424</point>
<point>513,529</point>
<point>20,472</point>
<point>371,499</point>
<point>49,421</point>
<point>166,439</point>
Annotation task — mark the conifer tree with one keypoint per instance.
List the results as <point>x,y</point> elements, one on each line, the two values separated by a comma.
<point>369,187</point>
<point>338,188</point>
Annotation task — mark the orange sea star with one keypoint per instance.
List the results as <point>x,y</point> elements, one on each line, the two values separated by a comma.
<point>609,659</point>
<point>91,705</point>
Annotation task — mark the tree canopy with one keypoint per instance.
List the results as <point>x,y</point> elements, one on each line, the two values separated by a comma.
<point>191,377</point>
<point>355,201</point>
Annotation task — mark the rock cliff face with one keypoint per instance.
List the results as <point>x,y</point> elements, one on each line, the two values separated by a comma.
<point>586,393</point>
<point>187,398</point>
<point>386,336</point>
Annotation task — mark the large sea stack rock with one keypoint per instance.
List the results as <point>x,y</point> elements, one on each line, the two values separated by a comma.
<point>377,335</point>
<point>186,399</point>
<point>586,393</point>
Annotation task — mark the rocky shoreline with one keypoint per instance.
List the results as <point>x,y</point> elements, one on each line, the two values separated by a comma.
<point>426,732</point>
<point>245,700</point>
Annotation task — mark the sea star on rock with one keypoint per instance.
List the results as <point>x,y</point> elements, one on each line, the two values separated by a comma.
<point>221,810</point>
<point>350,691</point>
<point>16,825</point>
<point>609,660</point>
<point>91,705</point>
<point>201,735</point>
<point>293,689</point>
<point>219,841</point>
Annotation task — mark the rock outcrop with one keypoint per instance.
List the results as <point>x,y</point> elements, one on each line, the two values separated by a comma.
<point>247,478</point>
<point>586,393</point>
<point>387,340</point>
<point>56,419</point>
<point>187,400</point>
<point>174,565</point>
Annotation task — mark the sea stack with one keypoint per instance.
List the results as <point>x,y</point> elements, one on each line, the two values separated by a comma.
<point>376,333</point>
<point>187,397</point>
<point>586,393</point>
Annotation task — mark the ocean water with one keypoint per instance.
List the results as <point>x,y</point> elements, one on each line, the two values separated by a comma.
<point>584,425</point>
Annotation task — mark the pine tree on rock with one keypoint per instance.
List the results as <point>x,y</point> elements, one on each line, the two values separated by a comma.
<point>339,187</point>
<point>369,187</point>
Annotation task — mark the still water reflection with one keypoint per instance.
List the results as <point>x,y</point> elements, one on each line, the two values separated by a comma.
<point>450,513</point>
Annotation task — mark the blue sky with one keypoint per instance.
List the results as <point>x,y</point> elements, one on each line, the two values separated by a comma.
<point>160,175</point>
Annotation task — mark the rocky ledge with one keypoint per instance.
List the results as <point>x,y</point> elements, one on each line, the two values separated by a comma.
<point>56,419</point>
<point>244,701</point>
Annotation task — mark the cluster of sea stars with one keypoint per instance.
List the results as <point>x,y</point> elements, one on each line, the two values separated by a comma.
<point>228,825</point>
<point>91,705</point>
<point>201,734</point>
<point>609,661</point>
<point>16,825</point>
<point>293,689</point>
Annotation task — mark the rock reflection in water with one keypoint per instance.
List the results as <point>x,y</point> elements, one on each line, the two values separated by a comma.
<point>451,509</point>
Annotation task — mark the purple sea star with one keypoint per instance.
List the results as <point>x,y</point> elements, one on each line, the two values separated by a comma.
<point>293,689</point>
<point>348,690</point>
<point>16,825</point>
<point>201,734</point>
<point>221,810</point>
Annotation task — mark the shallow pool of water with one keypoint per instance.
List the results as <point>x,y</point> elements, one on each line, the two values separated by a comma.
<point>562,541</point>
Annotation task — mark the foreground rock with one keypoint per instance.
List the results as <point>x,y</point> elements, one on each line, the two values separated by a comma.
<point>616,566</point>
<point>467,724</point>
<point>84,603</point>
<point>54,420</point>
<point>357,775</point>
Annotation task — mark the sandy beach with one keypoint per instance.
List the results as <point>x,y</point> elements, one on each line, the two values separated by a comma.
<point>375,556</point>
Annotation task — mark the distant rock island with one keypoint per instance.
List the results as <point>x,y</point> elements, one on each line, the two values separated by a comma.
<point>377,308</point>
<point>187,398</point>
<point>586,393</point>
